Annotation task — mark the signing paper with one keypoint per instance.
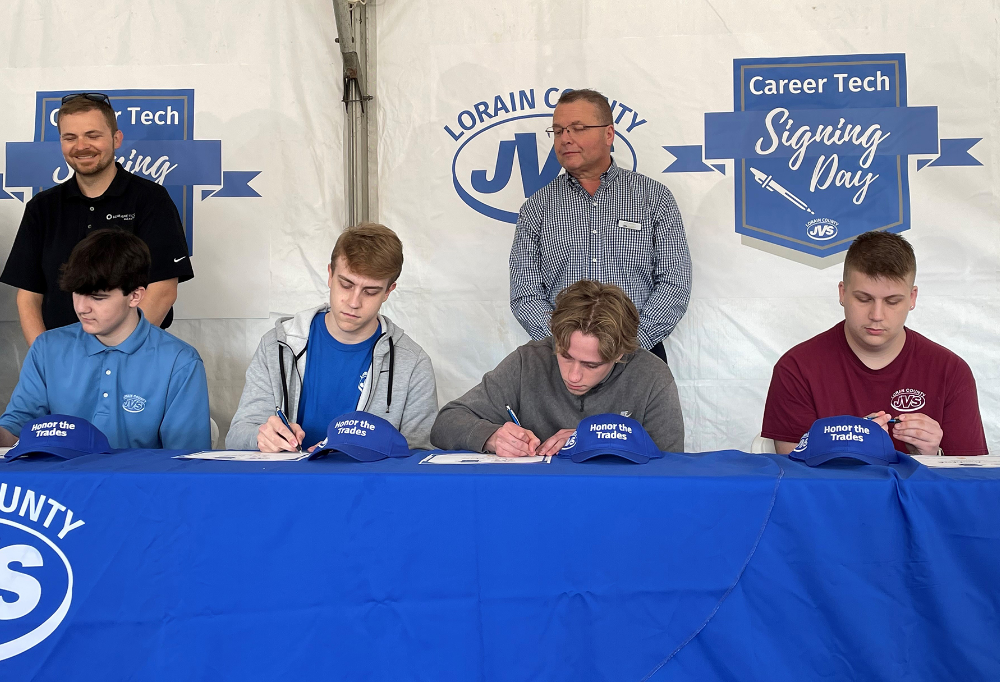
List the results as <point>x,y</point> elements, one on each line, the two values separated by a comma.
<point>246,456</point>
<point>481,458</point>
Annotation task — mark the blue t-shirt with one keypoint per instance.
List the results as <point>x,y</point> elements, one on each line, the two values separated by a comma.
<point>335,375</point>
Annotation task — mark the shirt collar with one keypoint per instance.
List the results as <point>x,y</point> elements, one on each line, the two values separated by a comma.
<point>128,346</point>
<point>607,176</point>
<point>115,189</point>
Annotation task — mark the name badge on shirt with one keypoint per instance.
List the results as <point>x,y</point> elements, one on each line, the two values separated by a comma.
<point>628,225</point>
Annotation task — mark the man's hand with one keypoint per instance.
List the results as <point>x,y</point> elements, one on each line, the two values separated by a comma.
<point>881,418</point>
<point>511,440</point>
<point>272,436</point>
<point>555,442</point>
<point>7,439</point>
<point>921,433</point>
<point>29,311</point>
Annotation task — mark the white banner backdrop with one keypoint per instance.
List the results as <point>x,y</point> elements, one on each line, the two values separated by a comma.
<point>266,81</point>
<point>455,84</point>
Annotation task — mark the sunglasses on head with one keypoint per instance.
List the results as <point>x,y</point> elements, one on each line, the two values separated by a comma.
<point>92,96</point>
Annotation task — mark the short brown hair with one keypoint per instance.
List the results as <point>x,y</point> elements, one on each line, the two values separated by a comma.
<point>596,309</point>
<point>371,250</point>
<point>106,260</point>
<point>599,101</point>
<point>881,255</point>
<point>78,105</point>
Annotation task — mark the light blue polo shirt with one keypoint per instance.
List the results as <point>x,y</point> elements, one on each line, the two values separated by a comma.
<point>149,391</point>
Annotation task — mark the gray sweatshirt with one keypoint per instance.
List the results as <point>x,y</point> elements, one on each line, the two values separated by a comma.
<point>409,402</point>
<point>640,386</point>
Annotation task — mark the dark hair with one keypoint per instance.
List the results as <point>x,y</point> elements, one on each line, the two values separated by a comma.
<point>106,260</point>
<point>596,309</point>
<point>371,250</point>
<point>599,101</point>
<point>78,105</point>
<point>881,255</point>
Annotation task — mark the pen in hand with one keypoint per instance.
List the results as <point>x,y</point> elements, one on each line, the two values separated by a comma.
<point>284,420</point>
<point>513,417</point>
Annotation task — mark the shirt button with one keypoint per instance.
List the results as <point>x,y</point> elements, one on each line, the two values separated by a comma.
<point>593,231</point>
<point>105,395</point>
<point>594,204</point>
<point>593,259</point>
<point>107,372</point>
<point>92,208</point>
<point>88,227</point>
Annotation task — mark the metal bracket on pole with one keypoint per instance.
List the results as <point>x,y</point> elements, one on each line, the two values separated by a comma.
<point>356,35</point>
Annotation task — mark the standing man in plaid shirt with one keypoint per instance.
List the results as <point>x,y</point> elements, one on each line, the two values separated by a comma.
<point>598,221</point>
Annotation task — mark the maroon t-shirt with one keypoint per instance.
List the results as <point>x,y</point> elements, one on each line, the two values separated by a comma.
<point>824,378</point>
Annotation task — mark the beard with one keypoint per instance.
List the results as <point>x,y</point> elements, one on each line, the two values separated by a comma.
<point>102,164</point>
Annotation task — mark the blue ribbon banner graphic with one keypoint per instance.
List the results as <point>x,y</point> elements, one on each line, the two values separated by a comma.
<point>820,147</point>
<point>158,144</point>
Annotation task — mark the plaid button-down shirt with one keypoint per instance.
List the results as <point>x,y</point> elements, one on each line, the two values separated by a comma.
<point>629,233</point>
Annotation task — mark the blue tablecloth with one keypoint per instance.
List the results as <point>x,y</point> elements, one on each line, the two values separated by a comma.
<point>721,566</point>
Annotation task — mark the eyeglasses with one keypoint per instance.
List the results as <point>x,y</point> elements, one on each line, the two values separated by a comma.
<point>92,96</point>
<point>576,129</point>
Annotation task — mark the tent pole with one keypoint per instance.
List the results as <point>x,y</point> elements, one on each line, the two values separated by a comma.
<point>356,35</point>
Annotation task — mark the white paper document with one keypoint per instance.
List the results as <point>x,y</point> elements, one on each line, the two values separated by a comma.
<point>980,461</point>
<point>481,458</point>
<point>246,456</point>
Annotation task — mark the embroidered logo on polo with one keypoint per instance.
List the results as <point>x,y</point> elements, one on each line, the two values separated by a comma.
<point>821,148</point>
<point>158,144</point>
<point>36,577</point>
<point>133,403</point>
<point>490,134</point>
<point>121,216</point>
<point>908,400</point>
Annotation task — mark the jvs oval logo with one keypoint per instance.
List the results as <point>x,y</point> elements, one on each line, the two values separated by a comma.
<point>36,587</point>
<point>803,443</point>
<point>821,229</point>
<point>908,400</point>
<point>504,155</point>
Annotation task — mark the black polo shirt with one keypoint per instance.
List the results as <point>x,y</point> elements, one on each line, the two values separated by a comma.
<point>57,219</point>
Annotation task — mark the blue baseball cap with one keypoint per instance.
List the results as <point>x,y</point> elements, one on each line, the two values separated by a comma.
<point>60,435</point>
<point>364,437</point>
<point>845,436</point>
<point>610,434</point>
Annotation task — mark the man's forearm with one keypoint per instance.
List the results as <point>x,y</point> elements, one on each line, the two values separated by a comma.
<point>158,299</point>
<point>7,439</point>
<point>29,311</point>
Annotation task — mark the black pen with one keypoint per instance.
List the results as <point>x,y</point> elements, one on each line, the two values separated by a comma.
<point>891,421</point>
<point>281,416</point>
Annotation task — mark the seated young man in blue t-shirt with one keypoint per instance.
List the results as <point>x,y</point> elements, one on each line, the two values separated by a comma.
<point>142,387</point>
<point>339,357</point>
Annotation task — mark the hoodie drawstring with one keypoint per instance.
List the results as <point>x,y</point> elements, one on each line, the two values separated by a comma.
<point>392,366</point>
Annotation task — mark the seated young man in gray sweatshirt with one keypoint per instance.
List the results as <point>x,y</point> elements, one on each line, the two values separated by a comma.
<point>356,359</point>
<point>591,364</point>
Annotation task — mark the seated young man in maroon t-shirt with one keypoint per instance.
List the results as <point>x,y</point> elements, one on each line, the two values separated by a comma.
<point>871,365</point>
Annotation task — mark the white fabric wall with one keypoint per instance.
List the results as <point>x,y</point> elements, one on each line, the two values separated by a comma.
<point>672,61</point>
<point>267,81</point>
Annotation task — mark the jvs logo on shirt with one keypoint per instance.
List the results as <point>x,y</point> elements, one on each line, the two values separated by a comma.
<point>502,139</point>
<point>133,403</point>
<point>36,578</point>
<point>908,400</point>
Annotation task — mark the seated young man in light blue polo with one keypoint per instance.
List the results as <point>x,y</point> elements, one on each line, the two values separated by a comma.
<point>142,387</point>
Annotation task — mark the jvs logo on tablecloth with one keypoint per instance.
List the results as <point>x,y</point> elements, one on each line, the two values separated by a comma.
<point>503,154</point>
<point>36,577</point>
<point>158,144</point>
<point>820,148</point>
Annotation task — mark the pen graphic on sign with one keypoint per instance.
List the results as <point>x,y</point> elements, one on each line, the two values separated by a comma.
<point>767,182</point>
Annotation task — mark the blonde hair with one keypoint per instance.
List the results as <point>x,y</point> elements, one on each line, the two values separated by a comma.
<point>600,310</point>
<point>371,250</point>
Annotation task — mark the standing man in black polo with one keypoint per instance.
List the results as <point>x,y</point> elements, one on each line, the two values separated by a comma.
<point>598,221</point>
<point>101,194</point>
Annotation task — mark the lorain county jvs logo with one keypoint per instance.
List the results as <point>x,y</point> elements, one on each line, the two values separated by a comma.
<point>493,133</point>
<point>36,577</point>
